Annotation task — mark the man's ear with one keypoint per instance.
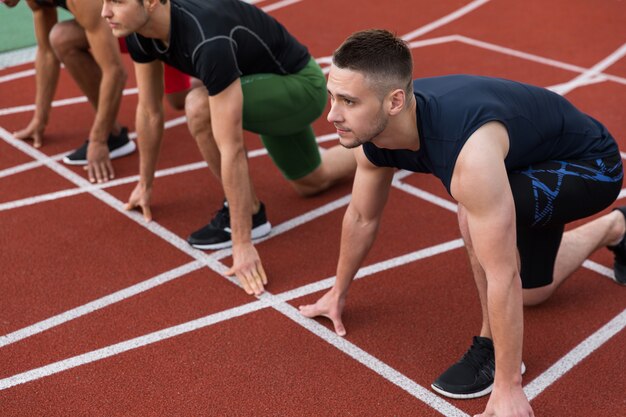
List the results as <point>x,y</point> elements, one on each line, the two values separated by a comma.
<point>397,99</point>
<point>150,5</point>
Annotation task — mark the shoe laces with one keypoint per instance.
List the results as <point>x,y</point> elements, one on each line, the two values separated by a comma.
<point>478,355</point>
<point>221,219</point>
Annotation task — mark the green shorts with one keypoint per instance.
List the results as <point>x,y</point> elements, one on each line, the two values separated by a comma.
<point>281,109</point>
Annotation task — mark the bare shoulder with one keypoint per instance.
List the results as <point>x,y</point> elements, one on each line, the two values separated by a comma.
<point>481,160</point>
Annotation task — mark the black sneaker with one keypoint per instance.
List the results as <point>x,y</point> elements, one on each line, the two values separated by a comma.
<point>216,234</point>
<point>619,265</point>
<point>119,146</point>
<point>473,375</point>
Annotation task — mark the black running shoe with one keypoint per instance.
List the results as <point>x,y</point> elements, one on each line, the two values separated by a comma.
<point>619,264</point>
<point>473,375</point>
<point>118,145</point>
<point>216,234</point>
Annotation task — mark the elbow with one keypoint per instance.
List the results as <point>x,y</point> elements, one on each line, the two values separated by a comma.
<point>356,219</point>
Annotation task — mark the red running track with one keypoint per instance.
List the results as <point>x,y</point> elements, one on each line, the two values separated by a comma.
<point>103,315</point>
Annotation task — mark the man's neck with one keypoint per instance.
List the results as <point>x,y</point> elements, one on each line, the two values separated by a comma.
<point>159,25</point>
<point>401,132</point>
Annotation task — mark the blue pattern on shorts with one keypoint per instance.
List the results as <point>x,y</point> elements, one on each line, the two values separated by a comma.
<point>545,206</point>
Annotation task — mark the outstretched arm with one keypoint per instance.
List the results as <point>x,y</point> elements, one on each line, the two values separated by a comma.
<point>360,225</point>
<point>47,68</point>
<point>149,125</point>
<point>480,184</point>
<point>226,121</point>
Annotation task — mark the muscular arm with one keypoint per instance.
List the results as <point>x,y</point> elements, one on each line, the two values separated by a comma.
<point>359,229</point>
<point>105,51</point>
<point>480,183</point>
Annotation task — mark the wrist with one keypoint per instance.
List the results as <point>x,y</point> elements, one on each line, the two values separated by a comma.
<point>338,293</point>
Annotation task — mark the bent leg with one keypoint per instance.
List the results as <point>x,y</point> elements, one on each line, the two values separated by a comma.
<point>69,41</point>
<point>337,165</point>
<point>550,195</point>
<point>577,245</point>
<point>281,109</point>
<point>71,47</point>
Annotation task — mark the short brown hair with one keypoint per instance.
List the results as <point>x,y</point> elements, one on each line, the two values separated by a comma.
<point>383,58</point>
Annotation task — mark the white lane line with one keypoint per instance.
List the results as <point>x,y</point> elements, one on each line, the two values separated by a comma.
<point>7,172</point>
<point>10,205</point>
<point>533,58</point>
<point>526,56</point>
<point>279,5</point>
<point>21,56</point>
<point>425,195</point>
<point>370,361</point>
<point>305,218</point>
<point>112,202</point>
<point>599,269</point>
<point>17,75</point>
<point>327,60</point>
<point>593,72</point>
<point>98,304</point>
<point>286,296</point>
<point>562,88</point>
<point>57,103</point>
<point>210,260</point>
<point>575,356</point>
<point>366,271</point>
<point>277,230</point>
<point>277,302</point>
<point>445,20</point>
<point>131,344</point>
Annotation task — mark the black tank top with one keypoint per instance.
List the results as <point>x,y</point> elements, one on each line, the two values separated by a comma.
<point>542,125</point>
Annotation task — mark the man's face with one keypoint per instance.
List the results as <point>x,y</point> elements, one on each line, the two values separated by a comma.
<point>356,110</point>
<point>124,16</point>
<point>10,3</point>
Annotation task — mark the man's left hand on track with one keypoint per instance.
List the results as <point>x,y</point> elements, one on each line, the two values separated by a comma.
<point>99,167</point>
<point>248,268</point>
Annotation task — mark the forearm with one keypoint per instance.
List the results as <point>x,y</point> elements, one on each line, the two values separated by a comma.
<point>506,319</point>
<point>357,237</point>
<point>47,68</point>
<point>236,183</point>
<point>149,126</point>
<point>109,98</point>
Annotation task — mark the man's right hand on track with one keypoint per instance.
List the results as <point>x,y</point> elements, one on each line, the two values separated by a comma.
<point>140,198</point>
<point>330,306</point>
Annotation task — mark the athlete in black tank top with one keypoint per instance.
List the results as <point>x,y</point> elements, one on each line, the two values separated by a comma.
<point>520,161</point>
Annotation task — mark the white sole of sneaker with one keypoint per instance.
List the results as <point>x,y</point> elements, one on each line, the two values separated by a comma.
<point>124,150</point>
<point>257,232</point>
<point>69,161</point>
<point>482,393</point>
<point>117,153</point>
<point>463,396</point>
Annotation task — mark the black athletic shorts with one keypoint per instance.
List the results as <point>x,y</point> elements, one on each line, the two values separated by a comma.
<point>549,195</point>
